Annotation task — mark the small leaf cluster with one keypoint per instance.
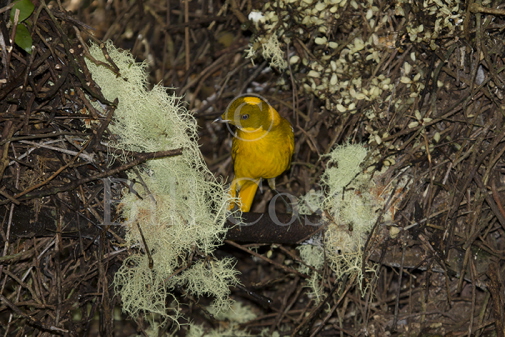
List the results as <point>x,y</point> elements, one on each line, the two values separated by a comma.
<point>19,14</point>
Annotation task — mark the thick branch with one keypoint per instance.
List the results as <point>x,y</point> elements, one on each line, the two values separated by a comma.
<point>273,228</point>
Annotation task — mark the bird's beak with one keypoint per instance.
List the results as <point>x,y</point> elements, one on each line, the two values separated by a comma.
<point>220,120</point>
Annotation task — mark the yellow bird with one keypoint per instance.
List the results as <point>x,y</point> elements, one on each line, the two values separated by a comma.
<point>262,146</point>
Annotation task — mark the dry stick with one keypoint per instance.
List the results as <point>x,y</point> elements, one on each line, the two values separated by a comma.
<point>399,288</point>
<point>6,244</point>
<point>491,65</point>
<point>448,114</point>
<point>98,133</point>
<point>148,251</point>
<point>31,320</point>
<point>140,158</point>
<point>496,197</point>
<point>479,41</point>
<point>210,69</point>
<point>294,96</point>
<point>492,162</point>
<point>8,7</point>
<point>496,289</point>
<point>290,106</point>
<point>14,83</point>
<point>29,189</point>
<point>103,285</point>
<point>229,75</point>
<point>95,114</point>
<point>58,249</point>
<point>54,88</point>
<point>387,205</point>
<point>84,156</point>
<point>284,310</point>
<point>236,10</point>
<point>8,131</point>
<point>169,28</point>
<point>186,33</point>
<point>252,323</point>
<point>31,100</point>
<point>63,15</point>
<point>123,16</point>
<point>312,143</point>
<point>474,297</point>
<point>301,329</point>
<point>36,136</point>
<point>493,202</point>
<point>57,80</point>
<point>457,197</point>
<point>16,257</point>
<point>298,259</point>
<point>166,38</point>
<point>330,314</point>
<point>15,24</point>
<point>3,46</point>
<point>8,196</point>
<point>202,83</point>
<point>111,65</point>
<point>251,78</point>
<point>440,260</point>
<point>476,8</point>
<point>469,242</point>
<point>73,57</point>
<point>276,264</point>
<point>23,284</point>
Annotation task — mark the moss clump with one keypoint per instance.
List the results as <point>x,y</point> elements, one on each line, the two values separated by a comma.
<point>351,207</point>
<point>181,208</point>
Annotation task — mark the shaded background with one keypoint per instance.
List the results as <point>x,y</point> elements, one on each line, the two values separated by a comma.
<point>441,275</point>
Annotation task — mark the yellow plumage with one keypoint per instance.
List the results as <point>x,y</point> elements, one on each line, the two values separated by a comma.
<point>262,146</point>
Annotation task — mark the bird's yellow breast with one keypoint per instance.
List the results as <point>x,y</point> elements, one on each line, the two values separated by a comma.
<point>263,153</point>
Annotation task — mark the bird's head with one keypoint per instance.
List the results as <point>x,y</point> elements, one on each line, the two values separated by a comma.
<point>250,113</point>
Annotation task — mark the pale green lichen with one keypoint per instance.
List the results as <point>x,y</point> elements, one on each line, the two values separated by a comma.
<point>182,208</point>
<point>351,206</point>
<point>235,315</point>
<point>313,255</point>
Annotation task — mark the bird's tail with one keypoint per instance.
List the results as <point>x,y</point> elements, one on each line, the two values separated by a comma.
<point>245,189</point>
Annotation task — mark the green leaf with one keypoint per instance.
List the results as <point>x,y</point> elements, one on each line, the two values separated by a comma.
<point>25,7</point>
<point>23,38</point>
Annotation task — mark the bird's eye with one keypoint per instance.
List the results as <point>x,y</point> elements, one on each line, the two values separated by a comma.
<point>246,116</point>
